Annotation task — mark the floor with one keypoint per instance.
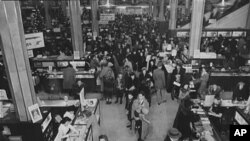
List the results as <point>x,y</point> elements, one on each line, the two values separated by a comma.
<point>114,120</point>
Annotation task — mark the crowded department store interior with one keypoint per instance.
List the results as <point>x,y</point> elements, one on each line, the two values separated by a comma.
<point>123,70</point>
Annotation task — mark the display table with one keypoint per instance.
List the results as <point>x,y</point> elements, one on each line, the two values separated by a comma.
<point>205,127</point>
<point>228,80</point>
<point>58,103</point>
<point>85,133</point>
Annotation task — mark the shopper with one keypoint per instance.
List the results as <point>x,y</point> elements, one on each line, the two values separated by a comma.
<point>103,138</point>
<point>77,87</point>
<point>177,78</point>
<point>68,78</point>
<point>2,136</point>
<point>128,108</point>
<point>119,86</point>
<point>159,82</point>
<point>203,82</point>
<point>241,92</point>
<point>138,115</point>
<point>108,77</point>
<point>173,135</point>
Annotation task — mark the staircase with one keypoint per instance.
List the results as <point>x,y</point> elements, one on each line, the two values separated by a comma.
<point>235,17</point>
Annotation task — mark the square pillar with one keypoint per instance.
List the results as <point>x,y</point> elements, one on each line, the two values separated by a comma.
<point>95,24</point>
<point>248,18</point>
<point>16,59</point>
<point>196,26</point>
<point>161,13</point>
<point>173,14</point>
<point>47,15</point>
<point>76,26</point>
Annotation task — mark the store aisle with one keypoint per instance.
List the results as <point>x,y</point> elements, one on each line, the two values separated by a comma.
<point>114,120</point>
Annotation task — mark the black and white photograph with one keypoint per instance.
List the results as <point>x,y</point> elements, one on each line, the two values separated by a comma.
<point>124,70</point>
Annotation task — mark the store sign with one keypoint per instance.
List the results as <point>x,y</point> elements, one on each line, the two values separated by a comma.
<point>34,40</point>
<point>30,53</point>
<point>3,95</point>
<point>105,18</point>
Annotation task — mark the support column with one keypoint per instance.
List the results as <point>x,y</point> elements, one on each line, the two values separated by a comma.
<point>248,18</point>
<point>95,24</point>
<point>173,14</point>
<point>155,10</point>
<point>47,14</point>
<point>161,13</point>
<point>150,9</point>
<point>76,27</point>
<point>15,57</point>
<point>196,25</point>
<point>187,4</point>
<point>64,7</point>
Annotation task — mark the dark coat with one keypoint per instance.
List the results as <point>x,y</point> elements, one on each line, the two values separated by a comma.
<point>166,74</point>
<point>181,72</point>
<point>242,94</point>
<point>159,79</point>
<point>68,78</point>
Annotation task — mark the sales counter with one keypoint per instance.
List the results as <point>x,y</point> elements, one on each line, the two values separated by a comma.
<point>232,113</point>
<point>51,78</point>
<point>55,80</point>
<point>59,107</point>
<point>228,79</point>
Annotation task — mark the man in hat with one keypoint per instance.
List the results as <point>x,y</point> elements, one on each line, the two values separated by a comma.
<point>160,83</point>
<point>173,135</point>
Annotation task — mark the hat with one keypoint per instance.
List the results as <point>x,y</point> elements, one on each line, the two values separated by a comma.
<point>145,111</point>
<point>174,133</point>
<point>143,68</point>
<point>132,73</point>
<point>159,64</point>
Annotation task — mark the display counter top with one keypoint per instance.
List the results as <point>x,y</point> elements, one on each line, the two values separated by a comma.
<point>229,73</point>
<point>205,127</point>
<point>58,103</point>
<point>79,74</point>
<point>229,103</point>
<point>244,115</point>
<point>54,57</point>
<point>84,129</point>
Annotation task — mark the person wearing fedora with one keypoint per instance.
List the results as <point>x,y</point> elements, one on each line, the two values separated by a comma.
<point>173,135</point>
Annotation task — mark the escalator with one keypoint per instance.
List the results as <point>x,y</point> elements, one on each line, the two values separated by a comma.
<point>233,17</point>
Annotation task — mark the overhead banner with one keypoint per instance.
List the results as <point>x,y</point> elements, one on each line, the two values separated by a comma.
<point>34,40</point>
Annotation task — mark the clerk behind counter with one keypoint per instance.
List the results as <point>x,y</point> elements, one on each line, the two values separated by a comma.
<point>241,92</point>
<point>65,129</point>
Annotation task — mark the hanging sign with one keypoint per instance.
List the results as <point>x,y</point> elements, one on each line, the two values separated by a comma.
<point>34,40</point>
<point>105,18</point>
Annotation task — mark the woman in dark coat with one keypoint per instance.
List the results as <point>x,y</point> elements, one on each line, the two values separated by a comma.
<point>133,84</point>
<point>151,66</point>
<point>178,76</point>
<point>184,117</point>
